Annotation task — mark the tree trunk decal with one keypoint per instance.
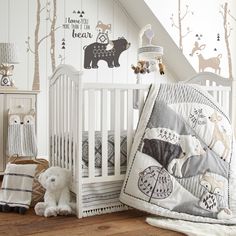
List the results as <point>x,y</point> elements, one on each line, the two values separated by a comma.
<point>37,41</point>
<point>36,85</point>
<point>178,25</point>
<point>225,12</point>
<point>53,25</point>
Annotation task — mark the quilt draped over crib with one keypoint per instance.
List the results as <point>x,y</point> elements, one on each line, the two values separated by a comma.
<point>182,162</point>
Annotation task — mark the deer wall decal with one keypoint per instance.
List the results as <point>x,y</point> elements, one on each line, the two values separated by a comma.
<point>212,62</point>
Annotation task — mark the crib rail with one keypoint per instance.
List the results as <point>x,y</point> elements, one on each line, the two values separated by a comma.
<point>220,88</point>
<point>78,109</point>
<point>110,109</point>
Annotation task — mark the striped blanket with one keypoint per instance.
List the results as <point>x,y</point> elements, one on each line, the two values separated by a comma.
<point>17,183</point>
<point>22,140</point>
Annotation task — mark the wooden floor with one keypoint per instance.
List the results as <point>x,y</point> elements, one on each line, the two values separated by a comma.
<point>126,223</point>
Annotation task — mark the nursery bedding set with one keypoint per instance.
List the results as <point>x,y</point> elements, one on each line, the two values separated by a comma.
<point>182,162</point>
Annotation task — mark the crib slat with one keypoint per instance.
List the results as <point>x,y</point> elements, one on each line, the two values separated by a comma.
<point>79,135</point>
<point>70,124</point>
<point>66,111</point>
<point>129,120</point>
<point>141,101</point>
<point>117,132</point>
<point>104,132</point>
<point>225,102</point>
<point>57,123</point>
<point>122,110</point>
<point>91,132</point>
<point>51,128</point>
<point>63,136</point>
<point>85,110</point>
<point>73,125</point>
<point>219,97</point>
<point>214,92</point>
<point>61,121</point>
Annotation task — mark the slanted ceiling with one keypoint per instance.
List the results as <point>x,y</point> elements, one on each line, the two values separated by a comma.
<point>177,64</point>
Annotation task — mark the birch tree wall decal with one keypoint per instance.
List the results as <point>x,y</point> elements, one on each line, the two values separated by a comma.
<point>225,12</point>
<point>179,25</point>
<point>37,41</point>
<point>52,35</point>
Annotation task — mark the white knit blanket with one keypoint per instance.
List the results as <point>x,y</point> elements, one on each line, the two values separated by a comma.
<point>192,228</point>
<point>17,185</point>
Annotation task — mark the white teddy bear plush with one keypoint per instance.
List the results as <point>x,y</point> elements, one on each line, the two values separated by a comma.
<point>56,181</point>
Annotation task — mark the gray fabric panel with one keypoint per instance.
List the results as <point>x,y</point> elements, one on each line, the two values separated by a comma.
<point>163,116</point>
<point>164,152</point>
<point>22,140</point>
<point>179,93</point>
<point>193,209</point>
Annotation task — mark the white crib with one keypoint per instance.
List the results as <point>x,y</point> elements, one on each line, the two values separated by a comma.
<point>77,108</point>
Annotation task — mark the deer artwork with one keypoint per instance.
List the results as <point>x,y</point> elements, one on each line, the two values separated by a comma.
<point>219,135</point>
<point>212,62</point>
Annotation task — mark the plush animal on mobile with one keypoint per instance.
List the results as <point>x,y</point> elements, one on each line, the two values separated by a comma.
<point>56,181</point>
<point>152,66</point>
<point>142,67</point>
<point>161,68</point>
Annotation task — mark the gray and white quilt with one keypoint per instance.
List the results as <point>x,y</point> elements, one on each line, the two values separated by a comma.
<point>181,164</point>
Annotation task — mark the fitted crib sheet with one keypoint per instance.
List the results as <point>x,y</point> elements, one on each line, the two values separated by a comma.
<point>63,146</point>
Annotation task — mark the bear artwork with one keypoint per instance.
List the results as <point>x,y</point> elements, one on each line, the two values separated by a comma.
<point>97,51</point>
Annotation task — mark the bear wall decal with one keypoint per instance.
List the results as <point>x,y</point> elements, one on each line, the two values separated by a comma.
<point>98,51</point>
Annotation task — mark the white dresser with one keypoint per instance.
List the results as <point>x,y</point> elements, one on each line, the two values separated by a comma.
<point>16,101</point>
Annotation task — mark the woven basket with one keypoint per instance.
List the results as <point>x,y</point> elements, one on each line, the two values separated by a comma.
<point>37,189</point>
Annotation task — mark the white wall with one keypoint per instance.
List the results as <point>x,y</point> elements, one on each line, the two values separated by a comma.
<point>18,23</point>
<point>203,18</point>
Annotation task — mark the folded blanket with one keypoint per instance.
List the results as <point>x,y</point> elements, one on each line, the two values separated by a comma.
<point>17,183</point>
<point>181,163</point>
